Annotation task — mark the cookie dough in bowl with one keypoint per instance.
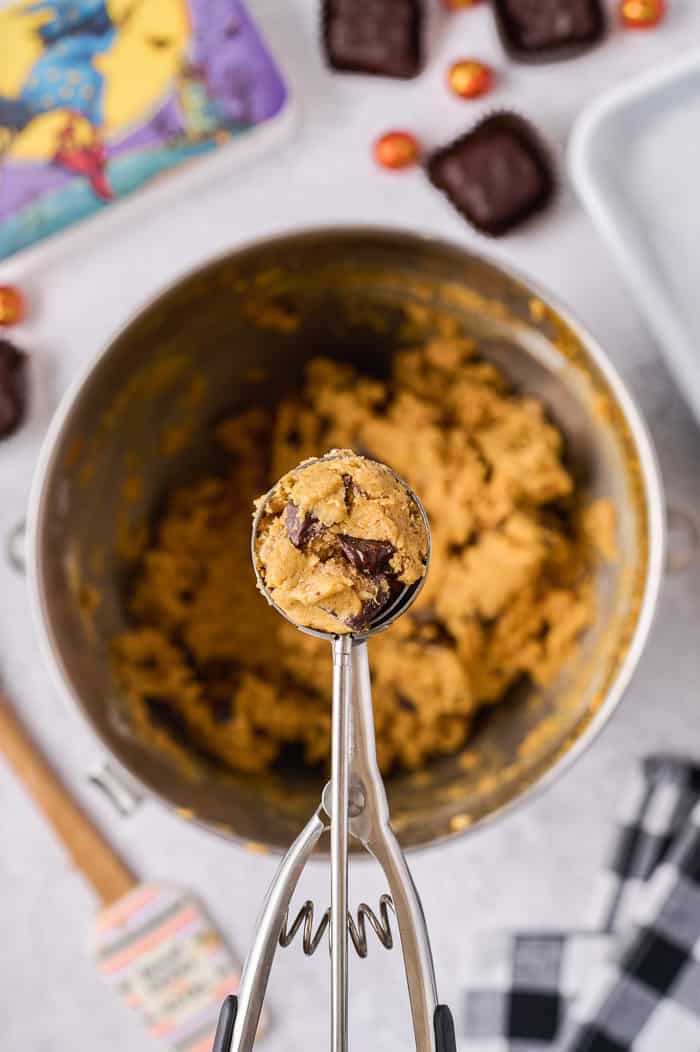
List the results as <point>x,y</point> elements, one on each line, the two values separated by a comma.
<point>498,410</point>
<point>339,538</point>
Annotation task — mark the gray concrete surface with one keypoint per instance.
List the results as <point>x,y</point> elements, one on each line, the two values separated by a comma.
<point>537,866</point>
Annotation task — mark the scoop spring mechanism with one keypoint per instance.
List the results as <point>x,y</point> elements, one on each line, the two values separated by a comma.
<point>357,929</point>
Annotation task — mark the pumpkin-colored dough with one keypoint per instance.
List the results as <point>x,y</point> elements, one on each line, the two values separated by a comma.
<point>508,594</point>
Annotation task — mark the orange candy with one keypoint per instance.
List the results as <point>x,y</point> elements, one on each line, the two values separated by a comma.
<point>12,307</point>
<point>469,78</point>
<point>396,150</point>
<point>458,5</point>
<point>642,14</point>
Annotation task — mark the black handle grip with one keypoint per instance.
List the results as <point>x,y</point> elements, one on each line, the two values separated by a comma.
<point>445,1040</point>
<point>224,1028</point>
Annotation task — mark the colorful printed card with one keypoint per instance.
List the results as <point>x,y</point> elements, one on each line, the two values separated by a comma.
<point>97,97</point>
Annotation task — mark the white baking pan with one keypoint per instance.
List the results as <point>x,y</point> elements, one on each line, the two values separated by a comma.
<point>635,162</point>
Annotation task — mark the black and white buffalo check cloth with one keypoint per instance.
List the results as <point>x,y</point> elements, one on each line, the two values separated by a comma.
<point>629,983</point>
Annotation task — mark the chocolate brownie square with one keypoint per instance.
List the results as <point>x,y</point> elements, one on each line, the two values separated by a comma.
<point>381,37</point>
<point>547,30</point>
<point>497,175</point>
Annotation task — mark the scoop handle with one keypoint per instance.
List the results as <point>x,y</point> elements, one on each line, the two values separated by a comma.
<point>90,852</point>
<point>445,1039</point>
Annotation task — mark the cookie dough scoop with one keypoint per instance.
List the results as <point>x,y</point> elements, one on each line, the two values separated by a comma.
<point>341,547</point>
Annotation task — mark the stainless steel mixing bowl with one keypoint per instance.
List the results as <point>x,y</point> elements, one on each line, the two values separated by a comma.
<point>238,332</point>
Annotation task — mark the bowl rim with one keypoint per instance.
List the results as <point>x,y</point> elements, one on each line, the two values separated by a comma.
<point>653,490</point>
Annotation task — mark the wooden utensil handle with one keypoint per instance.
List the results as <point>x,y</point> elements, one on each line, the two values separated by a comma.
<point>90,852</point>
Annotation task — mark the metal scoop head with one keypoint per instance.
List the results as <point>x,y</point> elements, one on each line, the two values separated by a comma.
<point>396,606</point>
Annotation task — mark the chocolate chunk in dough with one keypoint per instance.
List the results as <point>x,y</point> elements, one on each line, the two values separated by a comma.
<point>370,609</point>
<point>301,528</point>
<point>370,557</point>
<point>221,709</point>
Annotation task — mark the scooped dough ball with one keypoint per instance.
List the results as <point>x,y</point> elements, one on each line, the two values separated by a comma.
<point>339,538</point>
